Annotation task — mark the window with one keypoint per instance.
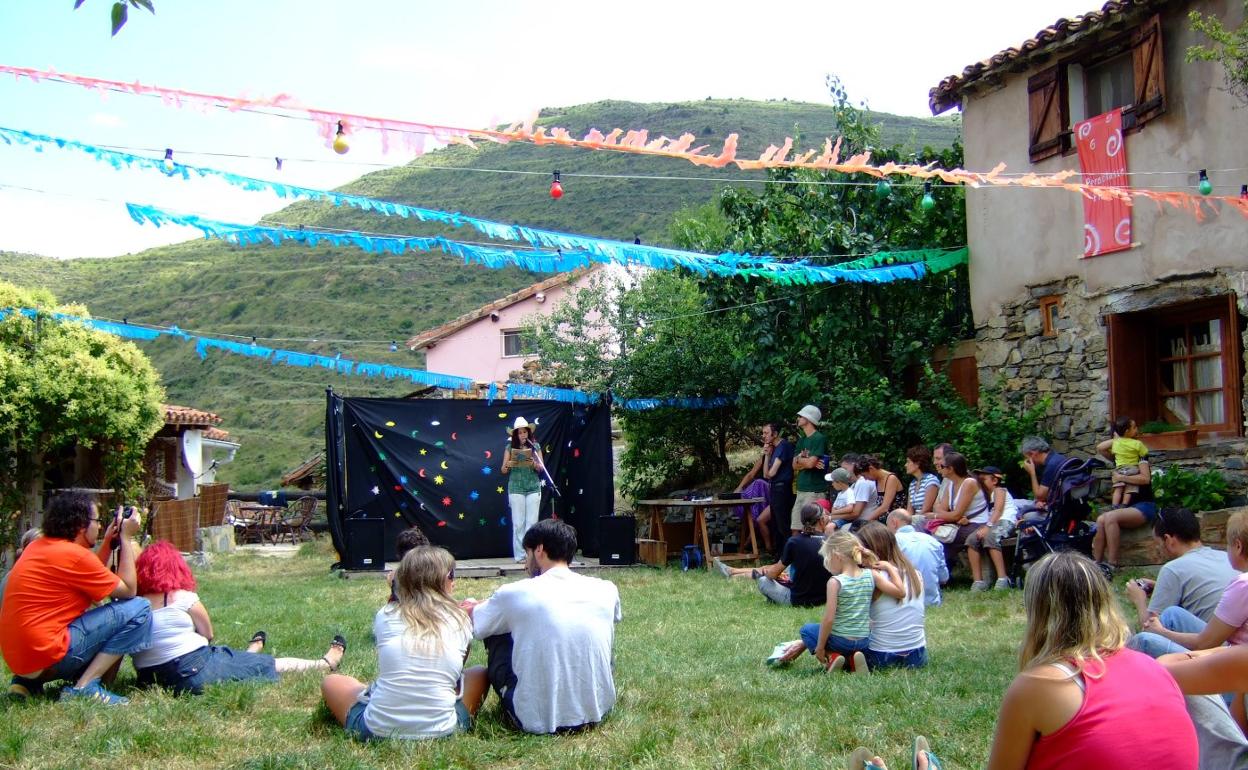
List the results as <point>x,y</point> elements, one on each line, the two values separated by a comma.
<point>517,343</point>
<point>1125,71</point>
<point>1180,364</point>
<point>1050,310</point>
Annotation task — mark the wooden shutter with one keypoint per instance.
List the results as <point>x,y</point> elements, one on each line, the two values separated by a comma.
<point>1233,366</point>
<point>1129,376</point>
<point>1047,112</point>
<point>1149,72</point>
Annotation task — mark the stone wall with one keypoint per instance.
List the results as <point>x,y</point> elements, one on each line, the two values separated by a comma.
<point>1071,367</point>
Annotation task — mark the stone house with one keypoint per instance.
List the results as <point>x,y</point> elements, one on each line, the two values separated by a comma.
<point>1155,331</point>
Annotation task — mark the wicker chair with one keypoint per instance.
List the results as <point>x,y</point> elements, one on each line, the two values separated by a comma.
<point>298,520</point>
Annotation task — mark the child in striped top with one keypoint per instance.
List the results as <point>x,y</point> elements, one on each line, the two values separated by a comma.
<point>843,631</point>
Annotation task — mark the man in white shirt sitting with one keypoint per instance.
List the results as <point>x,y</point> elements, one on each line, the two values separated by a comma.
<point>549,638</point>
<point>924,552</point>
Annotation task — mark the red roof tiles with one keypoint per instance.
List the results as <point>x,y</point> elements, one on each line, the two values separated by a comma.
<point>190,417</point>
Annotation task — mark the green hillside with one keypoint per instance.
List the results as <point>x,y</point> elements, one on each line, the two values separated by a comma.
<point>341,294</point>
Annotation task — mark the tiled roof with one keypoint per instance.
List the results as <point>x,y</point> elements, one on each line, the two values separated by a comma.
<point>308,468</point>
<point>447,329</point>
<point>217,434</point>
<point>189,417</point>
<point>1059,34</point>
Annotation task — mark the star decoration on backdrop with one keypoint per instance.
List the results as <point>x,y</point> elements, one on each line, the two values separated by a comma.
<point>468,417</point>
<point>446,501</point>
<point>486,470</point>
<point>424,451</point>
<point>402,479</point>
<point>389,423</point>
<point>503,521</point>
<point>498,490</point>
<point>439,480</point>
<point>381,456</point>
<point>473,495</point>
<point>461,517</point>
<point>376,490</point>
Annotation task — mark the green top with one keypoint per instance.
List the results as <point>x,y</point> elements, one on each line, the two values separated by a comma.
<point>522,480</point>
<point>853,605</point>
<point>811,479</point>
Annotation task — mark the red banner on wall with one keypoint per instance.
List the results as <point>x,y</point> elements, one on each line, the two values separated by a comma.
<point>1103,161</point>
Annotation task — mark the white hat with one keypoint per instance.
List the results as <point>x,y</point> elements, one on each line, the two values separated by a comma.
<point>812,413</point>
<point>520,423</point>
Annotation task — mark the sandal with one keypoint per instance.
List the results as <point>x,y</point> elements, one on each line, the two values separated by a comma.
<point>863,759</point>
<point>920,745</point>
<point>340,642</point>
<point>259,637</point>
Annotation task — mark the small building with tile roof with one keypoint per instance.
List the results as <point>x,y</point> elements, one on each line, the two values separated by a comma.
<point>186,452</point>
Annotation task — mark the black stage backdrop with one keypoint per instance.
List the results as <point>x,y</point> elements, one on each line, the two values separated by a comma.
<point>435,463</point>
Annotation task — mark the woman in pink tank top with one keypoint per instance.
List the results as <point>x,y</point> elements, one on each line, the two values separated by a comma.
<point>1081,698</point>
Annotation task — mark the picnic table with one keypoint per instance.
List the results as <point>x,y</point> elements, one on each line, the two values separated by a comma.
<point>658,509</point>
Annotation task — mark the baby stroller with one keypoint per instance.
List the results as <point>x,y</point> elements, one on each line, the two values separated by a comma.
<point>1066,524</point>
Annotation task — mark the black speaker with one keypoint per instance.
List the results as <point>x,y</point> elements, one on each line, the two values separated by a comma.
<point>616,540</point>
<point>366,544</point>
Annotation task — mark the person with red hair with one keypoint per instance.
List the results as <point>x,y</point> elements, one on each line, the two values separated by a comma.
<point>182,656</point>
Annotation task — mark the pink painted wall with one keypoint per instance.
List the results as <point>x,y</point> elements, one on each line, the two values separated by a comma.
<point>476,351</point>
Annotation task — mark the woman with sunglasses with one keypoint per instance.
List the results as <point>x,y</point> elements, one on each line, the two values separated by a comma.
<point>422,689</point>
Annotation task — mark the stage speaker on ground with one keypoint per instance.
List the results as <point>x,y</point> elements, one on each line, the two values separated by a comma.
<point>616,540</point>
<point>366,544</point>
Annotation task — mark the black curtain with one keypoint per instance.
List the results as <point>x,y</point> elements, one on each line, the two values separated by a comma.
<point>434,463</point>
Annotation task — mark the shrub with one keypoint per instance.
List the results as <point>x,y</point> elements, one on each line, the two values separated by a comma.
<point>1197,492</point>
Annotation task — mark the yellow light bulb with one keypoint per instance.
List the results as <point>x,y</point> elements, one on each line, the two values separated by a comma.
<point>340,141</point>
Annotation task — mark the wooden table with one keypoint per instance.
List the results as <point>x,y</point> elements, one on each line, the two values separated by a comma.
<point>658,507</point>
<point>263,521</point>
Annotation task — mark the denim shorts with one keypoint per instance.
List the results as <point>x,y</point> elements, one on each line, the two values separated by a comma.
<point>358,729</point>
<point>118,628</point>
<point>199,668</point>
<point>1149,509</point>
<point>909,659</point>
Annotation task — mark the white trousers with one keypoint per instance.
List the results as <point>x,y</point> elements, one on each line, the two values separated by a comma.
<point>524,510</point>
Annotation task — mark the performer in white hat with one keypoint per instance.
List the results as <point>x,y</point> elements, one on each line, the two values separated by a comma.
<point>522,462</point>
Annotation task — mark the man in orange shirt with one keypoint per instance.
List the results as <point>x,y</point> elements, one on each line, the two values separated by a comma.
<point>47,631</point>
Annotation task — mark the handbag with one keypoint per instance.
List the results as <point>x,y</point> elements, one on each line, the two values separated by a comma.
<point>946,533</point>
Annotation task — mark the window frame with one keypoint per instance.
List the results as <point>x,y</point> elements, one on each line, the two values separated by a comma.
<point>519,335</point>
<point>1048,327</point>
<point>1135,388</point>
<point>1142,42</point>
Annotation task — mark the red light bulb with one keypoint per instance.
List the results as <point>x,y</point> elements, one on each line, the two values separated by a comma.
<point>556,190</point>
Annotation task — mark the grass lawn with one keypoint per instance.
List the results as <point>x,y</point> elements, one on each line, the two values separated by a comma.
<point>693,689</point>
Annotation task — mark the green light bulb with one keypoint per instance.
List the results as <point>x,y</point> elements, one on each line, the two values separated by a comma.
<point>928,203</point>
<point>883,189</point>
<point>1205,185</point>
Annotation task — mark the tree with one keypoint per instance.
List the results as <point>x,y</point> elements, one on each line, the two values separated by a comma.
<point>121,11</point>
<point>63,385</point>
<point>1229,47</point>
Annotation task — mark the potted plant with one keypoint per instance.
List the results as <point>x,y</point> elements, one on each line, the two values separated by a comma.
<point>1164,435</point>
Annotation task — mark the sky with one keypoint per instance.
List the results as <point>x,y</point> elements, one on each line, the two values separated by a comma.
<point>449,63</point>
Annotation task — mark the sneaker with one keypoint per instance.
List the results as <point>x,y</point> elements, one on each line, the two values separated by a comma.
<point>1001,584</point>
<point>21,687</point>
<point>94,691</point>
<point>860,664</point>
<point>836,664</point>
<point>779,654</point>
<point>724,569</point>
<point>979,585</point>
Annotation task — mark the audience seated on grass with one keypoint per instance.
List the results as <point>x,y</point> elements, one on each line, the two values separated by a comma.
<point>1193,577</point>
<point>808,586</point>
<point>47,632</point>
<point>961,508</point>
<point>843,631</point>
<point>897,638</point>
<point>1081,699</point>
<point>422,689</point>
<point>549,638</point>
<point>389,621</point>
<point>924,551</point>
<point>182,656</point>
<point>1179,630</point>
<point>1002,523</point>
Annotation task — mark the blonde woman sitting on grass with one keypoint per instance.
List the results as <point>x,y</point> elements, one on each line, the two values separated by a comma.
<point>843,632</point>
<point>1081,698</point>
<point>422,689</point>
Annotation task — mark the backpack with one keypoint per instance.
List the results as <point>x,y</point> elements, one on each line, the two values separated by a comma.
<point>690,558</point>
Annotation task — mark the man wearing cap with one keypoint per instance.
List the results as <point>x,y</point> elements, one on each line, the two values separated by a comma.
<point>522,461</point>
<point>809,460</point>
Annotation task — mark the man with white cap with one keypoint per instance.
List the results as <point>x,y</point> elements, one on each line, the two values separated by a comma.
<point>811,450</point>
<point>522,462</point>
